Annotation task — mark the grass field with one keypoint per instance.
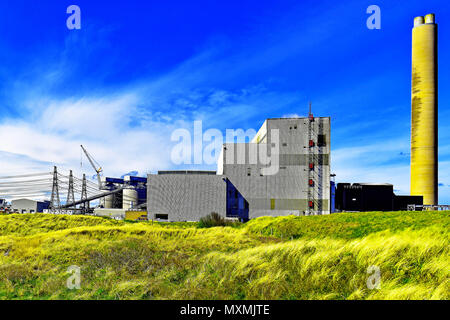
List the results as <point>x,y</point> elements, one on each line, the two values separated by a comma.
<point>317,257</point>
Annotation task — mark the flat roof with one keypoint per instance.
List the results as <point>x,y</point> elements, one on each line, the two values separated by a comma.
<point>187,172</point>
<point>293,118</point>
<point>373,184</point>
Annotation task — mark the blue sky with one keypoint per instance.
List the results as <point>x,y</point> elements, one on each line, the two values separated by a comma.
<point>137,70</point>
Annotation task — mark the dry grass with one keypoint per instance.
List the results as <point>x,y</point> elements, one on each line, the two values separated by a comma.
<point>322,257</point>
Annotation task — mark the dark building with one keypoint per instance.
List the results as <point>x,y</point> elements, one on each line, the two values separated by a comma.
<point>364,197</point>
<point>3,204</point>
<point>371,197</point>
<point>401,202</point>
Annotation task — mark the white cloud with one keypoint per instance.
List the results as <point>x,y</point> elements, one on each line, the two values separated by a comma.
<point>120,130</point>
<point>369,163</point>
<point>54,136</point>
<point>292,115</point>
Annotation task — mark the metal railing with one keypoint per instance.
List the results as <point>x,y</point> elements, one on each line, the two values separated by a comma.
<point>426,207</point>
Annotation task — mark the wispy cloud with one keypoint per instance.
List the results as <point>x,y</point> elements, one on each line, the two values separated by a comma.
<point>376,163</point>
<point>127,130</point>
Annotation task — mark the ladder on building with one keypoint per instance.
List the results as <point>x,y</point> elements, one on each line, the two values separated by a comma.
<point>315,170</point>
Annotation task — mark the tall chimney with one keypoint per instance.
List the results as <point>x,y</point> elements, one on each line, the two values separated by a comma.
<point>424,111</point>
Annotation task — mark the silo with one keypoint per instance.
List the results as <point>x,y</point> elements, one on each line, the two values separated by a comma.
<point>130,198</point>
<point>424,110</point>
<point>107,201</point>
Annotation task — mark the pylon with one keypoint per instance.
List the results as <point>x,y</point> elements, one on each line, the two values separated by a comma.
<point>55,203</point>
<point>84,194</point>
<point>70,192</point>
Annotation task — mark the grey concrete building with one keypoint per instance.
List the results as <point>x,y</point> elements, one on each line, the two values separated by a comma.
<point>284,170</point>
<point>282,186</point>
<point>29,206</point>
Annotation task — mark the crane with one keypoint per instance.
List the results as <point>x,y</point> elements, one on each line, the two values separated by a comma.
<point>94,165</point>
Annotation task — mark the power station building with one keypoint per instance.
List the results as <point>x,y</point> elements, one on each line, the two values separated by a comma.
<point>284,170</point>
<point>132,195</point>
<point>424,127</point>
<point>372,197</point>
<point>29,206</point>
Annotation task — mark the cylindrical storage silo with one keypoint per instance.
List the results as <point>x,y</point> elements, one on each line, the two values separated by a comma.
<point>130,199</point>
<point>424,131</point>
<point>108,201</point>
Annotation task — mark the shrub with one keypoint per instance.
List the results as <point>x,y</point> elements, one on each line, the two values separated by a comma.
<point>214,220</point>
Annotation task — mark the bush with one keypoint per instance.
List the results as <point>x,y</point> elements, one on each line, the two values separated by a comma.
<point>214,220</point>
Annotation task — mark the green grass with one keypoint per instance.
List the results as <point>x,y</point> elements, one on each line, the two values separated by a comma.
<point>317,257</point>
<point>347,225</point>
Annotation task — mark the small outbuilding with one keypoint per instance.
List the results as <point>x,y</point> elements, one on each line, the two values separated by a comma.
<point>29,206</point>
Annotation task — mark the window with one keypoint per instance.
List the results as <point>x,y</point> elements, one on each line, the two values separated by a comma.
<point>162,216</point>
<point>272,204</point>
<point>284,144</point>
<point>322,140</point>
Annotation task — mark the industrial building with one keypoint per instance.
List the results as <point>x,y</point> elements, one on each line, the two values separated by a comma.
<point>128,200</point>
<point>424,110</point>
<point>132,194</point>
<point>372,197</point>
<point>284,170</point>
<point>29,206</point>
<point>4,207</point>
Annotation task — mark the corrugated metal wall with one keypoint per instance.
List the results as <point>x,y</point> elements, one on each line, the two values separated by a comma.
<point>185,197</point>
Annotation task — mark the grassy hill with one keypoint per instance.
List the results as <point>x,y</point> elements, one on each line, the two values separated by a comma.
<point>318,257</point>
